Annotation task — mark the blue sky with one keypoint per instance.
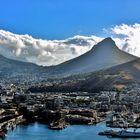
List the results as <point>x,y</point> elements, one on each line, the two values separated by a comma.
<point>59,19</point>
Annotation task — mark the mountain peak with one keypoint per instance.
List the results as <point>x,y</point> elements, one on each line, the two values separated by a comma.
<point>107,41</point>
<point>107,44</point>
<point>103,55</point>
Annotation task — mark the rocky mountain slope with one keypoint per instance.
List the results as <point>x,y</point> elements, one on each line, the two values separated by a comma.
<point>103,55</point>
<point>120,77</point>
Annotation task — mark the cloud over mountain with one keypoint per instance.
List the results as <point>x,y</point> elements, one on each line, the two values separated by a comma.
<point>130,39</point>
<point>43,52</point>
<point>51,52</point>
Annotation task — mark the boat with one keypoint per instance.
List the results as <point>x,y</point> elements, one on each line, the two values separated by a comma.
<point>107,132</point>
<point>126,134</point>
<point>121,133</point>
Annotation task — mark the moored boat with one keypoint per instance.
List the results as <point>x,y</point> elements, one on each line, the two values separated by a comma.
<point>126,134</point>
<point>107,132</point>
<point>121,133</point>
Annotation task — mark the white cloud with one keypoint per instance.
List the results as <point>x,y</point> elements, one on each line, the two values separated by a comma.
<point>130,37</point>
<point>52,52</point>
<point>44,52</point>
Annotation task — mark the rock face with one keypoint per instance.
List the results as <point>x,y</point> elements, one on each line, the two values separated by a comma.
<point>120,77</point>
<point>103,55</point>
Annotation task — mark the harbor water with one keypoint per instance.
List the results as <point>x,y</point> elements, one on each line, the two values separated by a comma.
<point>37,131</point>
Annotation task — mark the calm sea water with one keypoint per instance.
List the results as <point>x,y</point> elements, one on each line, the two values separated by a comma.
<point>37,131</point>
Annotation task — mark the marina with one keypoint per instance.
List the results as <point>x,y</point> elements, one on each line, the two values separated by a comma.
<point>37,131</point>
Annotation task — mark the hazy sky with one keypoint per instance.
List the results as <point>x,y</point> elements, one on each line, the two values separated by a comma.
<point>59,19</point>
<point>49,32</point>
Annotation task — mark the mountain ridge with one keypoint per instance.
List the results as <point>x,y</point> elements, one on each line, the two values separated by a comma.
<point>92,61</point>
<point>122,77</point>
<point>103,55</point>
